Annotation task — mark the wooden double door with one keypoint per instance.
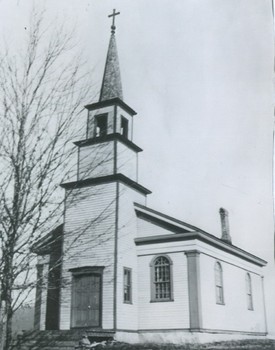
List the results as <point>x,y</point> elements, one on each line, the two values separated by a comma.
<point>86,300</point>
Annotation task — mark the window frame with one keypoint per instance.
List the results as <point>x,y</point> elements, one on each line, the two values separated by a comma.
<point>127,270</point>
<point>103,132</point>
<point>153,282</point>
<point>249,293</point>
<point>125,127</point>
<point>219,286</point>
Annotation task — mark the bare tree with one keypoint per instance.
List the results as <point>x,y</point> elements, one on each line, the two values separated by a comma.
<point>42,91</point>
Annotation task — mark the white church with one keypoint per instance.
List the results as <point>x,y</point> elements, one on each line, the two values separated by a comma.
<point>118,267</point>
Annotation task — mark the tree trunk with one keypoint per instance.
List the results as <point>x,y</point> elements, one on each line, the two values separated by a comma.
<point>7,298</point>
<point>9,313</point>
<point>2,322</point>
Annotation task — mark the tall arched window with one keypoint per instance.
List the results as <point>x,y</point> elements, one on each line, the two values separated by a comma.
<point>219,283</point>
<point>249,291</point>
<point>161,277</point>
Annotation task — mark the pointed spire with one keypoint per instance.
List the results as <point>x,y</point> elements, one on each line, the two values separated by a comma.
<point>111,84</point>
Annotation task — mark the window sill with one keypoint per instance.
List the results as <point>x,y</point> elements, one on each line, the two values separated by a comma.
<point>218,303</point>
<point>161,301</point>
<point>128,302</point>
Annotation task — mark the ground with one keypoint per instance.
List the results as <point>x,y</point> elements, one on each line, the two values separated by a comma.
<point>236,345</point>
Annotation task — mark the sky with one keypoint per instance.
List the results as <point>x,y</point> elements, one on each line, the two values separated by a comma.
<point>200,76</point>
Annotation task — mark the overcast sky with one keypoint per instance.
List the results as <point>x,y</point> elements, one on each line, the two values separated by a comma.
<point>199,74</point>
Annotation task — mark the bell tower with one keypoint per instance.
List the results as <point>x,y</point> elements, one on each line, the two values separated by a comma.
<point>100,220</point>
<point>108,148</point>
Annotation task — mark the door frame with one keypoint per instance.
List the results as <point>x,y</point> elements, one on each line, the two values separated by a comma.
<point>88,271</point>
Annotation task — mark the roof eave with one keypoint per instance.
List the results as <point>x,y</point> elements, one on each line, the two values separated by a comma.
<point>114,101</point>
<point>206,238</point>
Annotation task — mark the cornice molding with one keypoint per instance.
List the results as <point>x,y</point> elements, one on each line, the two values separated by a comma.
<point>106,179</point>
<point>114,101</point>
<point>107,138</point>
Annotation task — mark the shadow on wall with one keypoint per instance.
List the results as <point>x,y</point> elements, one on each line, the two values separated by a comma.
<point>23,319</point>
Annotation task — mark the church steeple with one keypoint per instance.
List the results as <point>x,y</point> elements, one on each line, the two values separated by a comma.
<point>108,152</point>
<point>111,84</point>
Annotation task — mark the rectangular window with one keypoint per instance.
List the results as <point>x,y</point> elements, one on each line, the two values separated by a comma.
<point>127,285</point>
<point>101,125</point>
<point>219,283</point>
<point>249,291</point>
<point>124,127</point>
<point>219,295</point>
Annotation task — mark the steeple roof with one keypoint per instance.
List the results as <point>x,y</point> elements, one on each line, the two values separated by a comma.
<point>111,84</point>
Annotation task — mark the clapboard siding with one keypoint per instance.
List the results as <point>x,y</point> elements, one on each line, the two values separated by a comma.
<point>163,315</point>
<point>214,316</point>
<point>147,228</point>
<point>96,160</point>
<point>89,241</point>
<point>127,314</point>
<point>222,317</point>
<point>126,161</point>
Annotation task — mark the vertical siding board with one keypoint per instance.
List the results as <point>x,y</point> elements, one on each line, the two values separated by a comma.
<point>194,289</point>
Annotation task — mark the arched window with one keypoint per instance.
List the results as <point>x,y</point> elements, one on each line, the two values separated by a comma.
<point>161,276</point>
<point>249,291</point>
<point>219,283</point>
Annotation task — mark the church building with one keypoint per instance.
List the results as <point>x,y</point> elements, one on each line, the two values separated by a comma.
<point>117,267</point>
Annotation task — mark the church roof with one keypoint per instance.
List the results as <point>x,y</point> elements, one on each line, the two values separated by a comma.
<point>111,84</point>
<point>181,231</point>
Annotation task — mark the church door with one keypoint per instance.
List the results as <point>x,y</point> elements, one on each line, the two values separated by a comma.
<point>86,301</point>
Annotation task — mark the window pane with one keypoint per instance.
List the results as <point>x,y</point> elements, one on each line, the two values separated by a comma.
<point>101,125</point>
<point>162,278</point>
<point>219,283</point>
<point>249,291</point>
<point>124,127</point>
<point>127,285</point>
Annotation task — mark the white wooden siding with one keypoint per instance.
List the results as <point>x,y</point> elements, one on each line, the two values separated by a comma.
<point>234,314</point>
<point>96,160</point>
<point>127,314</point>
<point>147,229</point>
<point>214,317</point>
<point>126,161</point>
<point>163,315</point>
<point>89,241</point>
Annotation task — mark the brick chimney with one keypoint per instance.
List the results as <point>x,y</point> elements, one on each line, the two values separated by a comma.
<point>225,226</point>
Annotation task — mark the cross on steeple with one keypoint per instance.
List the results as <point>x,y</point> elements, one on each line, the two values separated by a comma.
<point>113,27</point>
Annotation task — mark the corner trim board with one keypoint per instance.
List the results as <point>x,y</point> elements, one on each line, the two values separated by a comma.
<point>115,256</point>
